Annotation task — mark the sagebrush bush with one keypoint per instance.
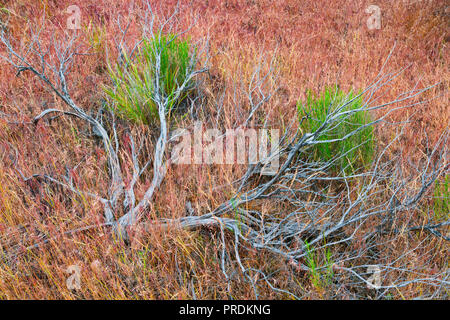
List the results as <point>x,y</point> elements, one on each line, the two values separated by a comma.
<point>314,112</point>
<point>134,82</point>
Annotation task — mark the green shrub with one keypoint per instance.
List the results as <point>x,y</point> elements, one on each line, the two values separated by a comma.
<point>133,89</point>
<point>441,197</point>
<point>320,276</point>
<point>314,112</point>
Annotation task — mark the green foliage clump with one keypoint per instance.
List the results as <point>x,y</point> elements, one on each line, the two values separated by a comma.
<point>321,276</point>
<point>135,83</point>
<point>441,197</point>
<point>358,149</point>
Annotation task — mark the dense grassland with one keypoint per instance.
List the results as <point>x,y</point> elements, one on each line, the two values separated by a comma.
<point>311,46</point>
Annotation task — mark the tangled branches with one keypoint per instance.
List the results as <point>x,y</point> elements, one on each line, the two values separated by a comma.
<point>65,54</point>
<point>312,208</point>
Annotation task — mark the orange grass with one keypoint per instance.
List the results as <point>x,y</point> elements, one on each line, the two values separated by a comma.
<point>316,44</point>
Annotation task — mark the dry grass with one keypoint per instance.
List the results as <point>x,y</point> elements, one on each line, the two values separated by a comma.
<point>317,43</point>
